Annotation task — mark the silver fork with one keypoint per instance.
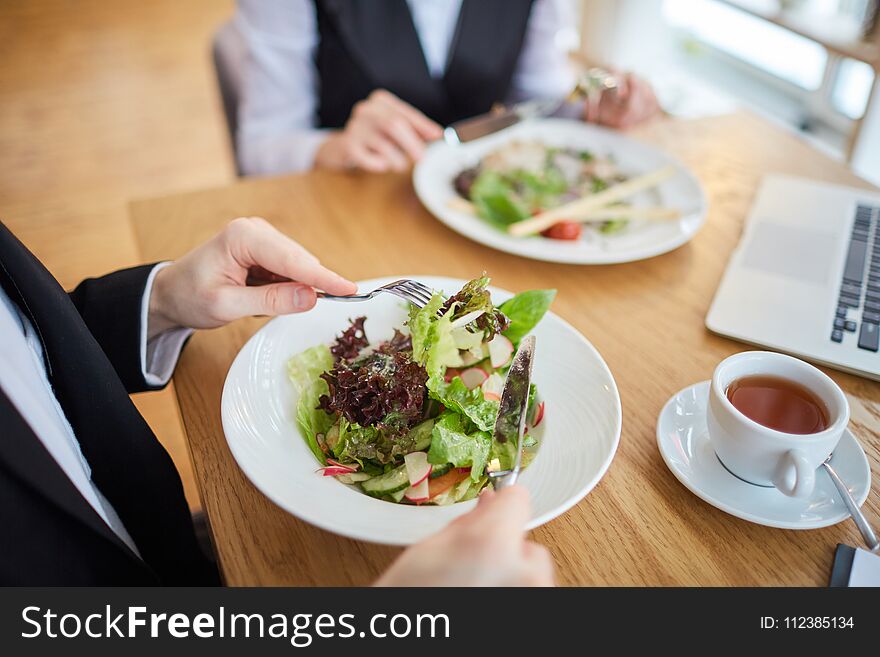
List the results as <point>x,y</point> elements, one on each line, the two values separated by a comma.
<point>418,294</point>
<point>592,85</point>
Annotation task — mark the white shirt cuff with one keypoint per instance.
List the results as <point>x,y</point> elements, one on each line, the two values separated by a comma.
<point>275,154</point>
<point>159,355</point>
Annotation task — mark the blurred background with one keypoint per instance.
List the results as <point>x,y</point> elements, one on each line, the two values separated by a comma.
<point>807,64</point>
<point>103,102</point>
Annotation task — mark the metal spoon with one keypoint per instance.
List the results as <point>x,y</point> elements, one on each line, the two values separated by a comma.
<point>857,515</point>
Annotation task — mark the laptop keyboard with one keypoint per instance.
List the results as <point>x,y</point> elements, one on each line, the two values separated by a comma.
<point>859,300</point>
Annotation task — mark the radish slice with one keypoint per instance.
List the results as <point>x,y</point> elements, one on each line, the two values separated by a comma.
<point>492,396</point>
<point>500,351</point>
<point>418,493</point>
<point>473,377</point>
<point>333,471</point>
<point>493,386</point>
<point>451,373</point>
<point>350,468</point>
<point>466,319</point>
<point>417,467</point>
<point>539,415</point>
<point>353,477</point>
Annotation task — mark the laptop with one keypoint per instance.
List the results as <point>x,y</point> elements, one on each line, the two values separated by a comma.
<point>805,277</point>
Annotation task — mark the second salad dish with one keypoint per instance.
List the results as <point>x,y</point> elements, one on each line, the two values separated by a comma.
<point>562,191</point>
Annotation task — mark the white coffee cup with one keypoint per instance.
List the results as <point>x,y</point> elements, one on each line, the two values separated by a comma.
<point>761,455</point>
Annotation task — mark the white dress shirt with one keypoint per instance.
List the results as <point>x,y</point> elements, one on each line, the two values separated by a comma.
<point>277,111</point>
<point>23,378</point>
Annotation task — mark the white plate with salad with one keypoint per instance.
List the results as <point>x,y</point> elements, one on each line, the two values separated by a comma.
<point>374,420</point>
<point>562,191</point>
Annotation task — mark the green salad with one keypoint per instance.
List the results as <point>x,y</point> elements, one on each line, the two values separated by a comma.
<point>410,419</point>
<point>524,178</point>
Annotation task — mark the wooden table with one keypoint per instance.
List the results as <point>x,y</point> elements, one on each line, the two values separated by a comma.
<point>639,526</point>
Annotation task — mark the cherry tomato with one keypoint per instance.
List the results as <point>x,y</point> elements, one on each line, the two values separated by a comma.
<point>564,230</point>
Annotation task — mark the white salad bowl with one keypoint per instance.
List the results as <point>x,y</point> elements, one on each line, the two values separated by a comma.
<point>435,173</point>
<point>581,425</point>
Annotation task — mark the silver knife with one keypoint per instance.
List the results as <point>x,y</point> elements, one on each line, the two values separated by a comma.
<point>511,423</point>
<point>503,117</point>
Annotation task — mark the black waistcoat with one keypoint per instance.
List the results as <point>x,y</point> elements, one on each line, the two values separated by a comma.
<point>367,45</point>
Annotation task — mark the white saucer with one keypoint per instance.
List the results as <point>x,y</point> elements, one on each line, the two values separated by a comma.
<point>684,444</point>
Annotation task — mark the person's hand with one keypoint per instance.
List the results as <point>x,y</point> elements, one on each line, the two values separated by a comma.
<point>250,268</point>
<point>632,102</point>
<point>383,133</point>
<point>486,547</point>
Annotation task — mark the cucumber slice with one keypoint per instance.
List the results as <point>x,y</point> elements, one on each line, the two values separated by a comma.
<point>439,470</point>
<point>422,434</point>
<point>395,497</point>
<point>353,477</point>
<point>388,483</point>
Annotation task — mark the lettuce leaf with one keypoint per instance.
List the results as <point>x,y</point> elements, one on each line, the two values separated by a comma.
<point>540,189</point>
<point>355,442</point>
<point>524,311</point>
<point>504,452</point>
<point>362,444</point>
<point>433,342</point>
<point>450,443</point>
<point>613,226</point>
<point>307,366</point>
<point>475,297</point>
<point>421,321</point>
<point>457,397</point>
<point>496,199</point>
<point>505,198</point>
<point>304,371</point>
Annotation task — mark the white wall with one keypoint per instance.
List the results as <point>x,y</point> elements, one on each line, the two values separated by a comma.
<point>628,34</point>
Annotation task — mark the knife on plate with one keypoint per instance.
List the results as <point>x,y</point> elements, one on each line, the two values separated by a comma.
<point>498,119</point>
<point>511,422</point>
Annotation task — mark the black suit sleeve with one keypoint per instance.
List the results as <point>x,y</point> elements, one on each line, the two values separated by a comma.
<point>111,308</point>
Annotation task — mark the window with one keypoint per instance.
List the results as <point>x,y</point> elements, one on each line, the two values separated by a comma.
<point>753,40</point>
<point>796,60</point>
<point>852,88</point>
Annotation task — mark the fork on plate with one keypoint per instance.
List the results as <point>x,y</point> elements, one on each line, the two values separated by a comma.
<point>418,294</point>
